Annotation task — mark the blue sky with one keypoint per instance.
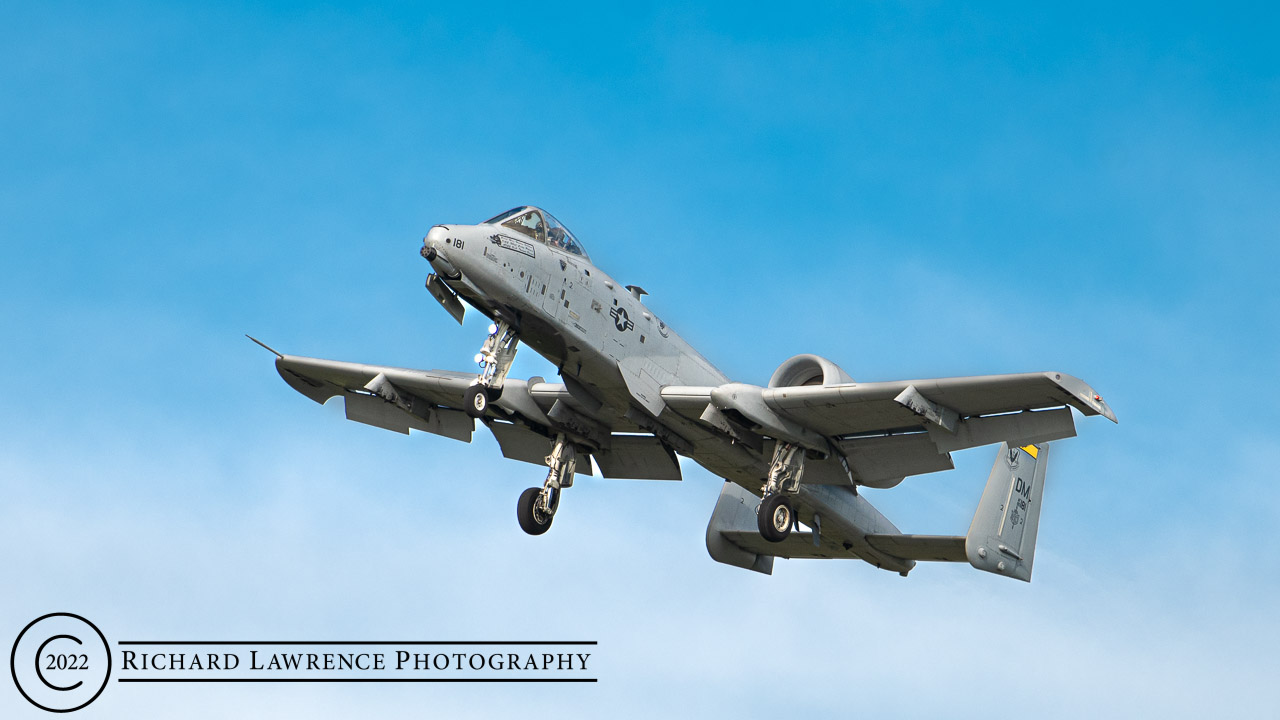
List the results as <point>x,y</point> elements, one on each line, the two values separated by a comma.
<point>911,190</point>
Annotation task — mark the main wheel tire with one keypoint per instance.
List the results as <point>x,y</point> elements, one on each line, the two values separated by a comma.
<point>476,401</point>
<point>524,513</point>
<point>493,394</point>
<point>776,517</point>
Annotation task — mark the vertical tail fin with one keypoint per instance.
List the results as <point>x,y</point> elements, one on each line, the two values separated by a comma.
<point>1002,537</point>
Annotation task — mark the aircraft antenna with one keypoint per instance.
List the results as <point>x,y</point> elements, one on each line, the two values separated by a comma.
<point>264,345</point>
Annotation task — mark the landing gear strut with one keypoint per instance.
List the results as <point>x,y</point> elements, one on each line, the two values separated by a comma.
<point>776,516</point>
<point>494,358</point>
<point>537,506</point>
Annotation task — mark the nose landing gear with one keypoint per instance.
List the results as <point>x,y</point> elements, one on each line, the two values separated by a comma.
<point>494,358</point>
<point>537,506</point>
<point>776,516</point>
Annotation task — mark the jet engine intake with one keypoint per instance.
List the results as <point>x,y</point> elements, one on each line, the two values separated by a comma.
<point>808,370</point>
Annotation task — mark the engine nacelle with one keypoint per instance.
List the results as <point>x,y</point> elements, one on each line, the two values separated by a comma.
<point>808,370</point>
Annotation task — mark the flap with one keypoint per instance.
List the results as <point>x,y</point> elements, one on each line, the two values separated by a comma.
<point>373,410</point>
<point>518,442</point>
<point>882,461</point>
<point>638,457</point>
<point>521,443</point>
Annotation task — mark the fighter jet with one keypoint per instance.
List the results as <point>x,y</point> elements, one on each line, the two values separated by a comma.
<point>633,395</point>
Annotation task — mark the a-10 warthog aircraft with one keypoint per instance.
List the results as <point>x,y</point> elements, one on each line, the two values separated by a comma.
<point>633,395</point>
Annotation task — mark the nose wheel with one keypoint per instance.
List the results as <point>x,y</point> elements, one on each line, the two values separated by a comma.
<point>537,506</point>
<point>494,358</point>
<point>477,399</point>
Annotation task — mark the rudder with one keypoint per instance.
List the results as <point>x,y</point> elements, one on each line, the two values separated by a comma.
<point>1002,537</point>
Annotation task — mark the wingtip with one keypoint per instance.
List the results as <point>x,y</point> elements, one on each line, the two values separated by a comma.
<point>1087,400</point>
<point>266,347</point>
<point>1102,407</point>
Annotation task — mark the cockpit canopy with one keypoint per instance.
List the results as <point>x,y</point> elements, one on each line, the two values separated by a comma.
<point>541,226</point>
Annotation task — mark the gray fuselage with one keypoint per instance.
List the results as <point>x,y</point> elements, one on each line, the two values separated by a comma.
<point>612,351</point>
<point>615,356</point>
<point>567,309</point>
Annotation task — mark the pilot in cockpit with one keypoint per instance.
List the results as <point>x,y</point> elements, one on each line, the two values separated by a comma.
<point>540,226</point>
<point>555,236</point>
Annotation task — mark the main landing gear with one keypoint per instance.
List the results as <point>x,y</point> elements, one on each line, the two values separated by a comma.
<point>537,506</point>
<point>776,515</point>
<point>494,358</point>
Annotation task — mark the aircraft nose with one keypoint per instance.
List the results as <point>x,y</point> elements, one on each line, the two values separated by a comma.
<point>433,250</point>
<point>434,241</point>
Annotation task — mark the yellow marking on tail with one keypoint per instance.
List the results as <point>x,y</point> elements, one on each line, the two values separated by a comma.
<point>1032,450</point>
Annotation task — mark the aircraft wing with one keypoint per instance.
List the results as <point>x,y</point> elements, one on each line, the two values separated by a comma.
<point>840,410</point>
<point>524,420</point>
<point>391,398</point>
<point>322,379</point>
<point>890,430</point>
<point>877,407</point>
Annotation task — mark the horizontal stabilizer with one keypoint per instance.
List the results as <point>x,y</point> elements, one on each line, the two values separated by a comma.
<point>1002,537</point>
<point>798,545</point>
<point>735,515</point>
<point>932,548</point>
